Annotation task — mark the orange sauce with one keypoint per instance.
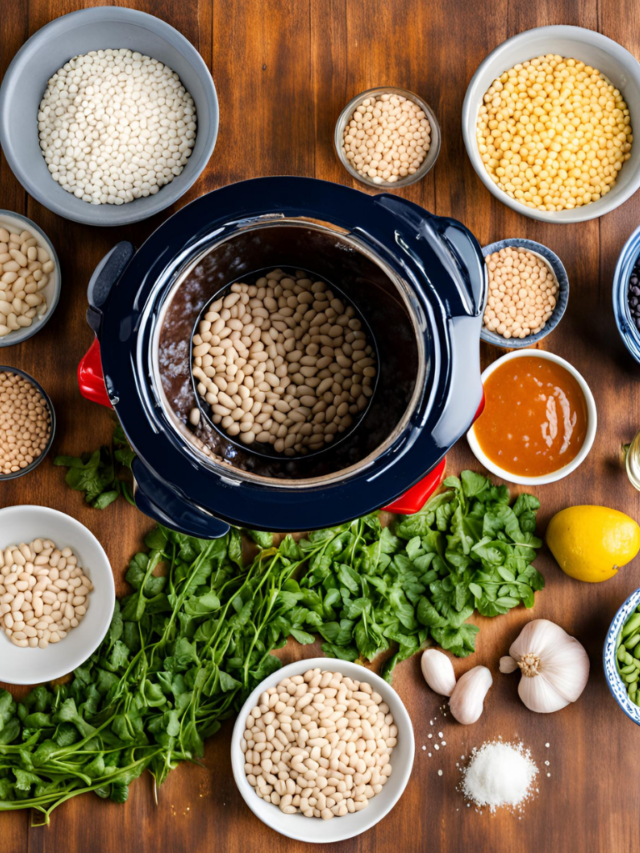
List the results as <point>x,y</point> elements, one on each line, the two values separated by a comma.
<point>535,417</point>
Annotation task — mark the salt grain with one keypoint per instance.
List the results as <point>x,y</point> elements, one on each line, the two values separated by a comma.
<point>499,774</point>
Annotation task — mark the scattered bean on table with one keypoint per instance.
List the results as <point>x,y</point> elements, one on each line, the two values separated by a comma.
<point>319,744</point>
<point>283,362</point>
<point>44,593</point>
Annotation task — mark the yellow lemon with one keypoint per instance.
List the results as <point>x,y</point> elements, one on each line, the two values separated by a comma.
<point>591,543</point>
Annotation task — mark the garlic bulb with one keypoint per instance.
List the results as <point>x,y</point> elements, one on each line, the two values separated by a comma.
<point>554,666</point>
<point>467,699</point>
<point>438,672</point>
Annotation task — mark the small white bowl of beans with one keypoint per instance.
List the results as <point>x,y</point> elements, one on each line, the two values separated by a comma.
<point>322,772</point>
<point>29,278</point>
<point>57,594</point>
<point>27,423</point>
<point>387,138</point>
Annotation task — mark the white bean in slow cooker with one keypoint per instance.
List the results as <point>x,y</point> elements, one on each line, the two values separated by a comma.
<point>319,743</point>
<point>283,362</point>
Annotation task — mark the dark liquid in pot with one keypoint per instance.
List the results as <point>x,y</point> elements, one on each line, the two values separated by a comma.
<point>366,286</point>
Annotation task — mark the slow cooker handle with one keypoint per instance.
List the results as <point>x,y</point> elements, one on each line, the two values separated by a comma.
<point>154,499</point>
<point>416,497</point>
<point>455,248</point>
<point>105,275</point>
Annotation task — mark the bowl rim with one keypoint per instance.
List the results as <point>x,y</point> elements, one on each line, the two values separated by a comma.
<point>91,646</point>
<point>609,651</point>
<point>5,368</point>
<point>352,670</point>
<point>471,104</point>
<point>8,340</point>
<point>592,424</point>
<point>428,162</point>
<point>629,254</point>
<point>556,266</point>
<point>151,205</point>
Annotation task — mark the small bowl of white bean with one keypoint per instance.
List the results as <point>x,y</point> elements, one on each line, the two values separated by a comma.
<point>57,594</point>
<point>27,423</point>
<point>324,771</point>
<point>30,278</point>
<point>528,293</point>
<point>387,138</point>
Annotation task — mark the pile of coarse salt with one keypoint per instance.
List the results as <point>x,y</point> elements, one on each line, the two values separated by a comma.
<point>499,774</point>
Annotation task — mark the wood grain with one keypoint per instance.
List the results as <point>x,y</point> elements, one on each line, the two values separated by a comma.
<point>283,71</point>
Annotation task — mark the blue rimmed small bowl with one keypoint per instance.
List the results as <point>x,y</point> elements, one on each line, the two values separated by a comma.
<point>615,683</point>
<point>52,416</point>
<point>562,297</point>
<point>628,332</point>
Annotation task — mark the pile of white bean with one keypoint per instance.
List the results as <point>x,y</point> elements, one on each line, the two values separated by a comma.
<point>43,593</point>
<point>25,268</point>
<point>283,362</point>
<point>319,743</point>
<point>115,125</point>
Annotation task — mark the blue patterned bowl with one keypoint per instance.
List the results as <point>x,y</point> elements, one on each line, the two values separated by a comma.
<point>562,298</point>
<point>616,684</point>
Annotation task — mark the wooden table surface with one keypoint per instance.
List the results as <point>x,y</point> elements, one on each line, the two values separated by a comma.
<point>283,71</point>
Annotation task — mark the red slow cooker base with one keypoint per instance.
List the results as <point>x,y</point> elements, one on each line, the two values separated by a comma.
<point>91,384</point>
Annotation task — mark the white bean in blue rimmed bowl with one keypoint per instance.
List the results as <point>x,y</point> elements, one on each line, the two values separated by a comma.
<point>562,298</point>
<point>616,685</point>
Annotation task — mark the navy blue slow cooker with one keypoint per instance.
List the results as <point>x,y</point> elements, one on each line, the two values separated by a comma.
<point>419,281</point>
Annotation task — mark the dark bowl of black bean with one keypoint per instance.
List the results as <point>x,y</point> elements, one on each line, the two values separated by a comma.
<point>626,294</point>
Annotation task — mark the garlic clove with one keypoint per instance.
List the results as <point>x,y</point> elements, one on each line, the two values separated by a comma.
<point>438,672</point>
<point>467,699</point>
<point>508,664</point>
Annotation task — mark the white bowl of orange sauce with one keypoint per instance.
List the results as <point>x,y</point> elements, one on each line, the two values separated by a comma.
<point>539,420</point>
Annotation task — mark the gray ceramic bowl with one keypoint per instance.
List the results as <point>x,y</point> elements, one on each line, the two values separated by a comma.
<point>75,34</point>
<point>615,683</point>
<point>619,67</point>
<point>557,267</point>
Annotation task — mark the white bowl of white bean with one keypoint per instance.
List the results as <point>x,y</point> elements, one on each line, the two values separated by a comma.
<point>389,757</point>
<point>51,564</point>
<point>29,278</point>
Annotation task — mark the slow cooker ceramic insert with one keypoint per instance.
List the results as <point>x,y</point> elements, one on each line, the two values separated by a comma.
<point>417,280</point>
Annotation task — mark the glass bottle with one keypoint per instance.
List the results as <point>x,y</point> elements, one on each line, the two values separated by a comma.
<point>632,461</point>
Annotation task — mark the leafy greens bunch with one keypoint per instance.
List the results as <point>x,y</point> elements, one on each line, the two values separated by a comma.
<point>466,550</point>
<point>195,636</point>
<point>182,653</point>
<point>97,474</point>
